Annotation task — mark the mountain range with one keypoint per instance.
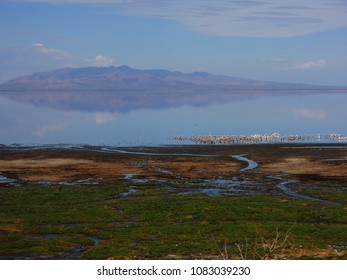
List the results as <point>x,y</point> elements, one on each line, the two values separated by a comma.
<point>124,89</point>
<point>124,78</point>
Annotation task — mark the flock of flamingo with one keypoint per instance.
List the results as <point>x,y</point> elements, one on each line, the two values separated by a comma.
<point>258,138</point>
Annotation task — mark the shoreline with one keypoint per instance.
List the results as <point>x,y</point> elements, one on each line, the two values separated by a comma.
<point>72,145</point>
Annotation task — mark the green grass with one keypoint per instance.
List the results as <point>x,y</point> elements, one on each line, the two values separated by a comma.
<point>156,224</point>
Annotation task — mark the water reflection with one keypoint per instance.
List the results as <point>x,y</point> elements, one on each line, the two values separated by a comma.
<point>150,118</point>
<point>125,101</point>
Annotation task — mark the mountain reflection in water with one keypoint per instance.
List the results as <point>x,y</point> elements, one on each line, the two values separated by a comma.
<point>150,118</point>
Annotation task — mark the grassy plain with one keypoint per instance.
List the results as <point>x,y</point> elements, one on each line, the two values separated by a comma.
<point>173,202</point>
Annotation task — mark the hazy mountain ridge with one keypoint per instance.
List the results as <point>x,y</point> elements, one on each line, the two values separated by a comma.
<point>126,78</point>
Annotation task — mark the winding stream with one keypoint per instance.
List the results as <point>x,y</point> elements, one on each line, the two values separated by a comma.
<point>251,164</point>
<point>287,191</point>
<point>282,185</point>
<point>118,151</point>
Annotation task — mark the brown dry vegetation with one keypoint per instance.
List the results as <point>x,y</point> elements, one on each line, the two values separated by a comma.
<point>65,168</point>
<point>197,167</point>
<point>297,165</point>
<point>69,165</point>
<point>50,165</point>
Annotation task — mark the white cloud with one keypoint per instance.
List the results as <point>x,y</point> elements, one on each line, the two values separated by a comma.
<point>309,65</point>
<point>41,48</point>
<point>99,60</point>
<point>311,114</point>
<point>257,18</point>
<point>102,61</point>
<point>103,117</point>
<point>22,60</point>
<point>271,18</point>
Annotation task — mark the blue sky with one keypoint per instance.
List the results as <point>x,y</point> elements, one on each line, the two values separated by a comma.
<point>274,40</point>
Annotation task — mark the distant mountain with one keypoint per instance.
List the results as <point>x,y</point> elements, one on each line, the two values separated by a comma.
<point>125,89</point>
<point>124,78</point>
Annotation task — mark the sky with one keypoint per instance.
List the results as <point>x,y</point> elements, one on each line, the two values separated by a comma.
<point>272,40</point>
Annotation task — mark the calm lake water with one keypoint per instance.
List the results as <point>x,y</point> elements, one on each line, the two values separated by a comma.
<point>135,119</point>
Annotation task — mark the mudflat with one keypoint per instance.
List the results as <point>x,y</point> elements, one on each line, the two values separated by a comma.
<point>174,202</point>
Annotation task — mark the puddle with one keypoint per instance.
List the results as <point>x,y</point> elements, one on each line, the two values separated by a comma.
<point>8,181</point>
<point>215,191</point>
<point>221,183</point>
<point>212,187</point>
<point>126,194</point>
<point>128,176</point>
<point>160,170</point>
<point>210,192</point>
<point>88,181</point>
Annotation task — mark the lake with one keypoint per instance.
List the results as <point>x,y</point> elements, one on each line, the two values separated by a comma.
<point>141,118</point>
